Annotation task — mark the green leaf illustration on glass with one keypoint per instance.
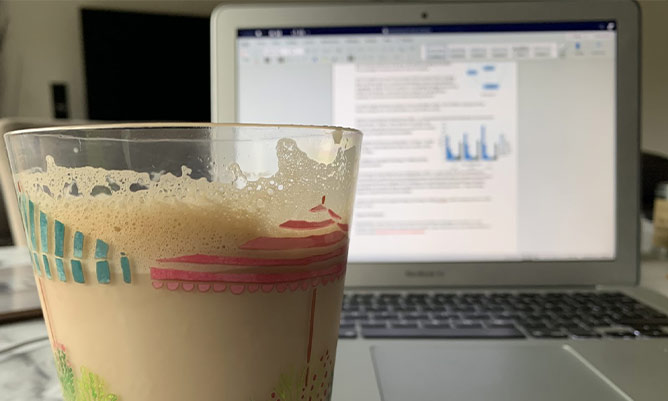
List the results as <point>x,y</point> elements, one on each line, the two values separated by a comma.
<point>87,387</point>
<point>91,388</point>
<point>313,383</point>
<point>66,376</point>
<point>289,386</point>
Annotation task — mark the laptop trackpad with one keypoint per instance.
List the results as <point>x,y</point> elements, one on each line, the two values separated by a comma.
<point>499,372</point>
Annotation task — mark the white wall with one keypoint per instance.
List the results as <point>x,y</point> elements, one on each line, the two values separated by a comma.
<point>43,45</point>
<point>655,75</point>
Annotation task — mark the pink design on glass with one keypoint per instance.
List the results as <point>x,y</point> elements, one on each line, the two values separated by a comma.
<point>200,259</point>
<point>333,214</point>
<point>307,225</point>
<point>240,274</point>
<point>312,241</point>
<point>158,273</point>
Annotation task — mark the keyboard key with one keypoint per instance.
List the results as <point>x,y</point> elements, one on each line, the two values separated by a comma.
<point>475,316</point>
<point>386,316</point>
<point>644,322</point>
<point>463,309</point>
<point>390,298</point>
<point>442,299</point>
<point>467,325</point>
<point>355,315</point>
<point>361,302</point>
<point>632,315</point>
<point>534,325</point>
<point>373,325</point>
<point>442,333</point>
<point>347,333</point>
<point>350,308</point>
<point>499,324</point>
<point>509,315</point>
<point>405,309</point>
<point>436,325</point>
<point>377,308</point>
<point>567,325</point>
<point>403,325</point>
<point>495,309</point>
<point>540,316</point>
<point>347,325</point>
<point>416,299</point>
<point>414,316</point>
<point>445,315</point>
<point>593,322</point>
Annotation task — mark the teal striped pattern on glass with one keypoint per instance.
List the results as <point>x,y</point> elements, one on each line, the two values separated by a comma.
<point>47,268</point>
<point>31,221</point>
<point>43,229</point>
<point>77,271</point>
<point>59,234</point>
<point>22,208</point>
<point>35,263</point>
<point>102,270</point>
<point>101,249</point>
<point>125,266</point>
<point>61,270</point>
<point>78,244</point>
<point>24,214</point>
<point>33,218</point>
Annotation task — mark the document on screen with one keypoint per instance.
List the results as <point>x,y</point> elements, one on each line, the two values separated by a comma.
<point>438,174</point>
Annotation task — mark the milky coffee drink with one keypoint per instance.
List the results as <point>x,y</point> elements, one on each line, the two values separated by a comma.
<point>160,286</point>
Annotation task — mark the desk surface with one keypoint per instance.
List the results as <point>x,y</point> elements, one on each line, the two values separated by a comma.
<point>26,365</point>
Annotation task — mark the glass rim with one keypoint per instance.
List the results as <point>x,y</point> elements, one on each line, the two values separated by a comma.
<point>61,130</point>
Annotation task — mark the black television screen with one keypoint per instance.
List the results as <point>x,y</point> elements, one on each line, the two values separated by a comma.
<point>146,67</point>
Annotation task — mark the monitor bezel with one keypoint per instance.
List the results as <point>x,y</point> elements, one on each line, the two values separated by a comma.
<point>622,270</point>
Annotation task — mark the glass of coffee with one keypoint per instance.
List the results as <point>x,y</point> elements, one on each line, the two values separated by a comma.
<point>189,261</point>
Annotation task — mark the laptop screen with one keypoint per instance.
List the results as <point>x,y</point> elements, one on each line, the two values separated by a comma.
<point>483,142</point>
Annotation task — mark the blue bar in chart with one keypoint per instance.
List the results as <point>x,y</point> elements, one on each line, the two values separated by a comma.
<point>449,155</point>
<point>467,150</point>
<point>483,146</point>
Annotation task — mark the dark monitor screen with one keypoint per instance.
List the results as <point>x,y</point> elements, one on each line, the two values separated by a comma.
<point>146,67</point>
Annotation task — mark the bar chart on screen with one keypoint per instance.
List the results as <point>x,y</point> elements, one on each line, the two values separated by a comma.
<point>471,146</point>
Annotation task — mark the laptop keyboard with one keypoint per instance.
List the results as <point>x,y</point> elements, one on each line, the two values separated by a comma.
<point>495,315</point>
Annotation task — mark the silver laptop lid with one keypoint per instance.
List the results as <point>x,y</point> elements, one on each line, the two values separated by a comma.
<point>498,150</point>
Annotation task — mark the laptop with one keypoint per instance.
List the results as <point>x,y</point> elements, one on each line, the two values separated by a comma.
<point>494,242</point>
